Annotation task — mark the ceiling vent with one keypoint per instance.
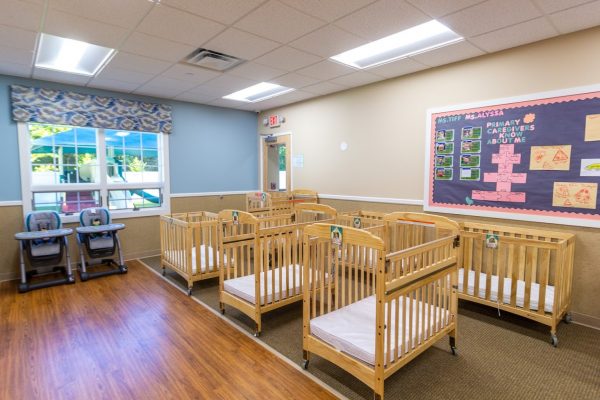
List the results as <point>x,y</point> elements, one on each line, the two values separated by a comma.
<point>212,60</point>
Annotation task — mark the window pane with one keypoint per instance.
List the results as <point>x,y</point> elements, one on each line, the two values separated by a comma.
<point>133,140</point>
<point>133,199</point>
<point>66,202</point>
<point>132,157</point>
<point>150,140</point>
<point>63,154</point>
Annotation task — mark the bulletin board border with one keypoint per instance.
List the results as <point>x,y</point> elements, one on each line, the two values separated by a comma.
<point>539,98</point>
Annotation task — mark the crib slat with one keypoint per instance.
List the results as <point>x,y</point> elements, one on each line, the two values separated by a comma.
<point>527,276</point>
<point>544,272</point>
<point>514,276</point>
<point>502,260</point>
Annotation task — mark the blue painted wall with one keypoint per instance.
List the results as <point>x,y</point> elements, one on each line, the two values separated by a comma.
<point>211,149</point>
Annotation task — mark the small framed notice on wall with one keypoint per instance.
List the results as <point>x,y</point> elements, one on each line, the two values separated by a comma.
<point>533,157</point>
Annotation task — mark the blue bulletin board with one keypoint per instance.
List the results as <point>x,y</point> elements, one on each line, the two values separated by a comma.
<point>533,158</point>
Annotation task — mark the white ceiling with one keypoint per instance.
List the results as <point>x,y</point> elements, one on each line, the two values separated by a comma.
<point>285,41</point>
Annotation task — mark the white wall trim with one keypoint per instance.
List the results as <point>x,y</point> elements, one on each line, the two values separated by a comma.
<point>206,194</point>
<point>11,203</point>
<point>389,200</point>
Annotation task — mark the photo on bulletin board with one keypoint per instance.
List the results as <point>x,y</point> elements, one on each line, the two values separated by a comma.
<point>534,157</point>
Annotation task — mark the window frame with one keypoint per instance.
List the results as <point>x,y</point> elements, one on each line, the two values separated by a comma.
<point>27,188</point>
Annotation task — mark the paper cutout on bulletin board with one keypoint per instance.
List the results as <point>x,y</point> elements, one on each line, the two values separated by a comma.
<point>550,158</point>
<point>574,194</point>
<point>590,167</point>
<point>592,127</point>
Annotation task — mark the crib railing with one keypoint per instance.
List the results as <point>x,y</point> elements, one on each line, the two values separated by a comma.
<point>419,300</point>
<point>259,204</point>
<point>360,219</point>
<point>530,259</point>
<point>313,212</point>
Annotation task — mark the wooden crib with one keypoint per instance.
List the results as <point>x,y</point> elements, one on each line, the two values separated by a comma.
<point>266,259</point>
<point>535,266</point>
<point>189,243</point>
<point>369,324</point>
<point>313,212</point>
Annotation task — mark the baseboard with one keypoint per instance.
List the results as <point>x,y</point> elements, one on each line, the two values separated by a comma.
<point>586,320</point>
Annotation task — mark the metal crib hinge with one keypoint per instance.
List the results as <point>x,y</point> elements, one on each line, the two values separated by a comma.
<point>456,242</point>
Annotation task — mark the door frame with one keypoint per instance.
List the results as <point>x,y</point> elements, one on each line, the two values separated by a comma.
<point>262,160</point>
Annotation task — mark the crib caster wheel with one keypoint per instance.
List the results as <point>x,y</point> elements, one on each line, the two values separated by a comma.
<point>554,340</point>
<point>222,308</point>
<point>84,276</point>
<point>256,334</point>
<point>305,364</point>
<point>164,272</point>
<point>453,349</point>
<point>189,292</point>
<point>568,318</point>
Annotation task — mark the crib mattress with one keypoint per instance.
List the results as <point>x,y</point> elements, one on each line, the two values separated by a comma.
<point>174,255</point>
<point>243,287</point>
<point>533,299</point>
<point>351,329</point>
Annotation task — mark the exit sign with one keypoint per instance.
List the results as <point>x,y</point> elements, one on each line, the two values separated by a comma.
<point>274,121</point>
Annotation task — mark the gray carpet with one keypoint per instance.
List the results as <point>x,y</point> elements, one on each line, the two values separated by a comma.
<point>505,357</point>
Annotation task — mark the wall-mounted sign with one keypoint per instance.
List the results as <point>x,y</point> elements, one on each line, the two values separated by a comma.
<point>275,121</point>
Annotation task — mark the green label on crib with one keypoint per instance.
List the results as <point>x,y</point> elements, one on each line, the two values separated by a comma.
<point>357,222</point>
<point>337,234</point>
<point>491,241</point>
<point>235,217</point>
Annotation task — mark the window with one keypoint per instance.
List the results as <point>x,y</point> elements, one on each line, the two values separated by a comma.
<point>67,169</point>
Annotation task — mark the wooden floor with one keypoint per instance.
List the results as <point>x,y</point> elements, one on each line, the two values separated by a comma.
<point>132,337</point>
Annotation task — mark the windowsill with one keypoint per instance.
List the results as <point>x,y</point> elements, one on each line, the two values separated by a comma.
<point>120,214</point>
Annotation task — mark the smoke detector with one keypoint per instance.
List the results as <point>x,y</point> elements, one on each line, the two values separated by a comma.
<point>212,60</point>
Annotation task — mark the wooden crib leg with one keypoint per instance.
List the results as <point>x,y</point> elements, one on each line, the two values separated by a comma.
<point>222,307</point>
<point>452,337</point>
<point>305,359</point>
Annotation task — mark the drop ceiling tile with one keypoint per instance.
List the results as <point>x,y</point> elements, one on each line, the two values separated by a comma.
<point>288,98</point>
<point>178,26</point>
<point>398,68</point>
<point>287,58</point>
<point>224,11</point>
<point>126,14</point>
<point>278,22</point>
<point>151,46</point>
<point>195,97</point>
<point>448,54</point>
<point>516,35</point>
<point>8,68</point>
<point>324,88</point>
<point>70,26</point>
<point>228,103</point>
<point>113,84</point>
<point>134,62</point>
<point>16,56</point>
<point>382,18</point>
<point>326,70</point>
<point>577,18</point>
<point>357,79</point>
<point>21,14</point>
<point>294,80</point>
<point>328,41</point>
<point>169,83</point>
<point>207,91</point>
<point>190,73</point>
<point>439,8</point>
<point>255,71</point>
<point>241,44</point>
<point>230,83</point>
<point>328,10</point>
<point>17,38</point>
<point>489,16</point>
<point>552,6</point>
<point>62,77</point>
<point>163,92</point>
<point>124,75</point>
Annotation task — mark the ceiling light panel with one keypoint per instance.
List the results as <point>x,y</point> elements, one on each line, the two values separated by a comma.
<point>259,92</point>
<point>418,39</point>
<point>71,56</point>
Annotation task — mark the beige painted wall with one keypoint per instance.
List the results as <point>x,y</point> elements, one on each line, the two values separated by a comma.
<point>384,126</point>
<point>141,238</point>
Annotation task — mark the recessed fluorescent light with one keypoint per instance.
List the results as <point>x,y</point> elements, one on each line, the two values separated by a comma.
<point>72,56</point>
<point>418,39</point>
<point>258,92</point>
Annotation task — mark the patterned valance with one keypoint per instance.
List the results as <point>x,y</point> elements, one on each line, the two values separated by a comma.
<point>50,106</point>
